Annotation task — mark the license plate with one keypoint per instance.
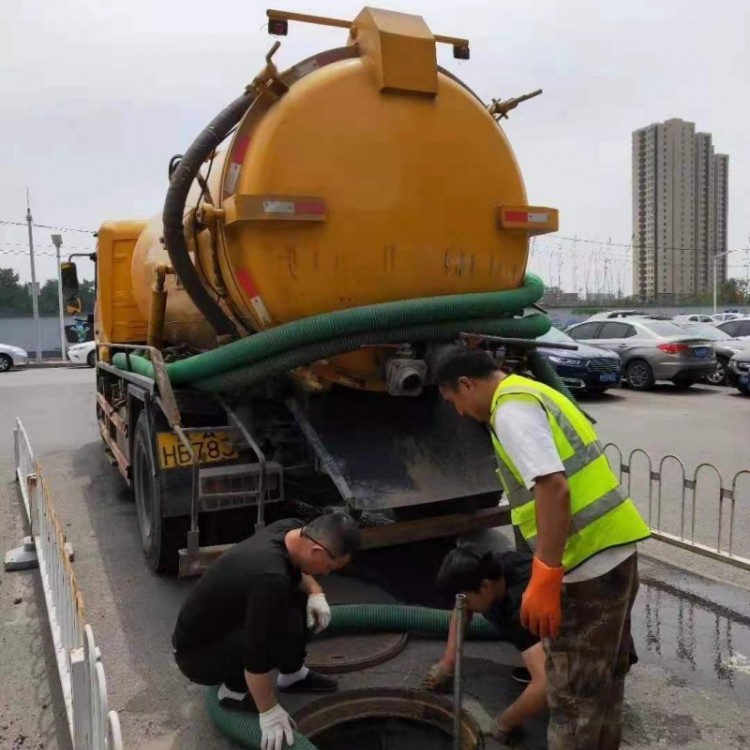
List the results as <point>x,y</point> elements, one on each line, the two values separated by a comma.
<point>608,377</point>
<point>210,447</point>
<point>744,379</point>
<point>702,352</point>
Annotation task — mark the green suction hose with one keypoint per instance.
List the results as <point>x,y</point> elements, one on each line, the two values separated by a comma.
<point>244,728</point>
<point>387,316</point>
<point>528,327</point>
<point>397,618</point>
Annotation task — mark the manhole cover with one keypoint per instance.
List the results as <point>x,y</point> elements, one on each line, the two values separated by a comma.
<point>349,653</point>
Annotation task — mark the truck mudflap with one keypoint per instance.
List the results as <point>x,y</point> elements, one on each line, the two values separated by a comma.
<point>384,452</point>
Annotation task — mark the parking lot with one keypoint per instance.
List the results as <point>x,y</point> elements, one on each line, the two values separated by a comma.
<point>133,611</point>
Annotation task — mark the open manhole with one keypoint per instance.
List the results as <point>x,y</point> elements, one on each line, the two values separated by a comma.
<point>380,718</point>
<point>350,653</point>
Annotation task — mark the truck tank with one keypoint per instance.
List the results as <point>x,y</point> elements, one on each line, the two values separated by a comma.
<point>363,175</point>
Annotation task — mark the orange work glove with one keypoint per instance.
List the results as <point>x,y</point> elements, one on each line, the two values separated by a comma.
<point>540,604</point>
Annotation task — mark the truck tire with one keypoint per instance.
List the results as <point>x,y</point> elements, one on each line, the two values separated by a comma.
<point>161,538</point>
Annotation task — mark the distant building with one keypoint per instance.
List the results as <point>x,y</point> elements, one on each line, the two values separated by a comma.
<point>679,211</point>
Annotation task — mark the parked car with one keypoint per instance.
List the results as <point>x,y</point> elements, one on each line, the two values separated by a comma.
<point>586,369</point>
<point>612,314</point>
<point>83,354</point>
<point>737,328</point>
<point>12,356</point>
<point>650,350</point>
<point>738,372</point>
<point>694,318</point>
<point>724,345</point>
<point>725,316</point>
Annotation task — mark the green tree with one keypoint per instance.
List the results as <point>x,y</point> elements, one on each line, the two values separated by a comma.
<point>48,298</point>
<point>87,295</point>
<point>14,296</point>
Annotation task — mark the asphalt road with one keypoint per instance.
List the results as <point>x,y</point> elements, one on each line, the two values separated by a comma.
<point>691,689</point>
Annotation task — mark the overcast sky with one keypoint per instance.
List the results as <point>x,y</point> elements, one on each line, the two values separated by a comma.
<point>97,95</point>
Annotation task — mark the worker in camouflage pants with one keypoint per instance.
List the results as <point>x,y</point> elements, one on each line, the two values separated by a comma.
<point>582,530</point>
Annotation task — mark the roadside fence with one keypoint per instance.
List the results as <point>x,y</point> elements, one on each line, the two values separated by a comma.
<point>92,725</point>
<point>697,511</point>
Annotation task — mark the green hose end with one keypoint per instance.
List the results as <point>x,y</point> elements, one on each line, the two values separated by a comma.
<point>243,728</point>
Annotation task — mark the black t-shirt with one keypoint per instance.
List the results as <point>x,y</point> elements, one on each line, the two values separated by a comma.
<point>505,615</point>
<point>250,588</point>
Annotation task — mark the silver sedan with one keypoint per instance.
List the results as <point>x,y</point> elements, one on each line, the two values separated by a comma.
<point>650,350</point>
<point>12,356</point>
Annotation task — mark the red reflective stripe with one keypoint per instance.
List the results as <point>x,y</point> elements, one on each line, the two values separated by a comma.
<point>241,148</point>
<point>309,207</point>
<point>521,216</point>
<point>247,282</point>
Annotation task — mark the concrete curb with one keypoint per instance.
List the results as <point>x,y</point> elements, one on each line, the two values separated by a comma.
<point>49,365</point>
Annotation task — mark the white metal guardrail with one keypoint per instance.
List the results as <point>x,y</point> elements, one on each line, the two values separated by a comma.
<point>699,512</point>
<point>92,725</point>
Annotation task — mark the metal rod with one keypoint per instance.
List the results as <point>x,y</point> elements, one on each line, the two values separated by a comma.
<point>34,287</point>
<point>262,463</point>
<point>460,610</point>
<point>57,242</point>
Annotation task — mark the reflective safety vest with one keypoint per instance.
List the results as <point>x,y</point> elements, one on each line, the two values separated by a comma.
<point>602,515</point>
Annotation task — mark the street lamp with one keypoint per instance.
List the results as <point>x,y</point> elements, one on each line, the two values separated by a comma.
<point>716,264</point>
<point>57,242</point>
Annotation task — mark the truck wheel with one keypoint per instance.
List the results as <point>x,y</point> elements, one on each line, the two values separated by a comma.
<point>161,538</point>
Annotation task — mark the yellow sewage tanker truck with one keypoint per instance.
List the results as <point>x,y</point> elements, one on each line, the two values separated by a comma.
<point>264,343</point>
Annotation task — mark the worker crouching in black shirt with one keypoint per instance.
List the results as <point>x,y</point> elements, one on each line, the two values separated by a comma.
<point>251,612</point>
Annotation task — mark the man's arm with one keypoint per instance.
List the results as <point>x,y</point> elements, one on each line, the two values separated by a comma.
<point>261,687</point>
<point>533,700</point>
<point>310,586</point>
<point>552,517</point>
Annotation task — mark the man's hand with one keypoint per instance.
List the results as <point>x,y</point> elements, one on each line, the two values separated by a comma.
<point>318,613</point>
<point>541,609</point>
<point>438,678</point>
<point>276,726</point>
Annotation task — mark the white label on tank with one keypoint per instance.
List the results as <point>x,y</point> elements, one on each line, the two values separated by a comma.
<point>233,174</point>
<point>261,311</point>
<point>306,68</point>
<point>278,207</point>
<point>538,218</point>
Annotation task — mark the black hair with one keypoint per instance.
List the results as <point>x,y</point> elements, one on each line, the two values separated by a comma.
<point>338,531</point>
<point>465,567</point>
<point>464,362</point>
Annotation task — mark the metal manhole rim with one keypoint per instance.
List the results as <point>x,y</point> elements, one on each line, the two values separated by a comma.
<point>398,703</point>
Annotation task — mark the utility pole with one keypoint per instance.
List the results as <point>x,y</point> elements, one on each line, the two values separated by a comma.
<point>57,242</point>
<point>34,288</point>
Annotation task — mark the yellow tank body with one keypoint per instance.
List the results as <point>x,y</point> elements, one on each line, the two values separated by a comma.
<point>375,177</point>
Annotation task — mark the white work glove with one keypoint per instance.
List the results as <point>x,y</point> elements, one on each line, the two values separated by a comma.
<point>318,613</point>
<point>276,726</point>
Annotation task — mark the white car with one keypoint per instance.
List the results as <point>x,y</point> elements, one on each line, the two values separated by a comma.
<point>725,316</point>
<point>83,354</point>
<point>694,318</point>
<point>12,356</point>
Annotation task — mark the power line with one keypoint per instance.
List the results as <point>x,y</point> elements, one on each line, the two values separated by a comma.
<point>7,222</point>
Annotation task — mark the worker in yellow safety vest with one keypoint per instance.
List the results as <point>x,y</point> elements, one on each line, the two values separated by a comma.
<point>582,528</point>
